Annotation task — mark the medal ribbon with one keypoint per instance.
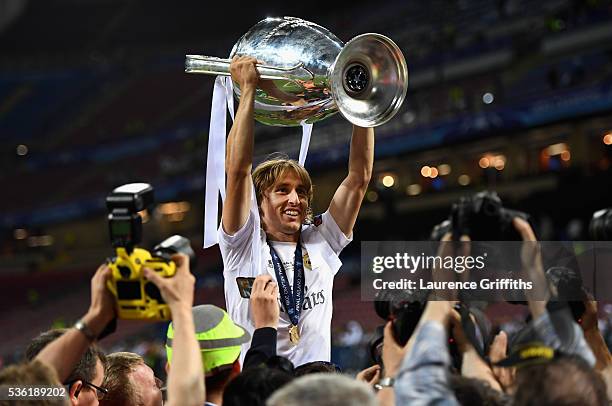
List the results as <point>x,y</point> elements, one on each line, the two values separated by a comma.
<point>292,302</point>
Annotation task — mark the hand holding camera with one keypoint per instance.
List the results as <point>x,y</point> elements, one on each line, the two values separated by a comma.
<point>102,307</point>
<point>392,352</point>
<point>177,291</point>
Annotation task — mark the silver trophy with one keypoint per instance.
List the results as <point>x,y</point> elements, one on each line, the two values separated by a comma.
<point>312,74</point>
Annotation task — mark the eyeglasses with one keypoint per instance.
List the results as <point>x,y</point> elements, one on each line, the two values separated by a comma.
<point>100,392</point>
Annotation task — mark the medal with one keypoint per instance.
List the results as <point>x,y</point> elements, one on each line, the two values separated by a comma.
<point>294,334</point>
<point>292,299</point>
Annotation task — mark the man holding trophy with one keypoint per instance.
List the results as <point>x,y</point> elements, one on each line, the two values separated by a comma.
<point>290,72</point>
<point>302,258</point>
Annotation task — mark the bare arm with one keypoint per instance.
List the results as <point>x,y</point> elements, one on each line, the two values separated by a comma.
<point>64,353</point>
<point>346,202</point>
<point>422,377</point>
<point>186,380</point>
<point>239,158</point>
<point>472,366</point>
<point>533,269</point>
<point>186,377</point>
<point>593,336</point>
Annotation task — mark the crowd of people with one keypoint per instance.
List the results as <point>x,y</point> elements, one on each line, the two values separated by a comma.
<point>567,363</point>
<point>273,344</point>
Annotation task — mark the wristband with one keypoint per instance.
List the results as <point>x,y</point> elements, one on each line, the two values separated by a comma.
<point>386,382</point>
<point>84,328</point>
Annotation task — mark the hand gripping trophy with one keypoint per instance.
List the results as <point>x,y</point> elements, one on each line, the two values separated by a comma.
<point>314,74</point>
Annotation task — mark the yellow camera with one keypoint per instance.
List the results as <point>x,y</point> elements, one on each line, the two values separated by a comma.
<point>136,297</point>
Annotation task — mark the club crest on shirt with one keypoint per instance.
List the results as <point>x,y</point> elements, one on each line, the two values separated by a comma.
<point>317,220</point>
<point>307,264</point>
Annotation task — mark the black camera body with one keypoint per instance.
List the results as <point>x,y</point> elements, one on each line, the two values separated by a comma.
<point>404,309</point>
<point>482,217</point>
<point>136,297</point>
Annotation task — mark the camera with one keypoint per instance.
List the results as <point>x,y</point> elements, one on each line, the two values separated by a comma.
<point>569,286</point>
<point>136,297</point>
<point>482,217</point>
<point>404,308</point>
<point>600,228</point>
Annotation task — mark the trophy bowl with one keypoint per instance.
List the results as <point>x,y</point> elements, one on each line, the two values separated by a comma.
<point>308,74</point>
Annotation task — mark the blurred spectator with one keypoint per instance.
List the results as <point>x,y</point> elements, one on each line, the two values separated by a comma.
<point>254,386</point>
<point>33,373</point>
<point>130,381</point>
<point>324,390</point>
<point>85,380</point>
<point>317,367</point>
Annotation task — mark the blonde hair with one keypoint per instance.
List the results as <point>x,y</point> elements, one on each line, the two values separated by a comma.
<point>121,389</point>
<point>267,173</point>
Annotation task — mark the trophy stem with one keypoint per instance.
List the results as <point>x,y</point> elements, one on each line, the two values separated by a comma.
<point>210,65</point>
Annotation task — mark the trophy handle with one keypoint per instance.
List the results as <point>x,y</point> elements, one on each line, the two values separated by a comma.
<point>211,65</point>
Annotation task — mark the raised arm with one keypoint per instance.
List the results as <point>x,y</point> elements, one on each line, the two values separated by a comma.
<point>346,202</point>
<point>186,376</point>
<point>64,353</point>
<point>239,158</point>
<point>593,336</point>
<point>555,328</point>
<point>422,378</point>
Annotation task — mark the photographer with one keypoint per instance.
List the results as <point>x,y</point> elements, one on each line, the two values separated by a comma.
<point>185,384</point>
<point>422,377</point>
<point>64,353</point>
<point>86,376</point>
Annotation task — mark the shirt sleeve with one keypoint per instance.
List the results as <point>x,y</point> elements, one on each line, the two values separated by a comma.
<point>573,342</point>
<point>237,248</point>
<point>263,347</point>
<point>331,232</point>
<point>423,375</point>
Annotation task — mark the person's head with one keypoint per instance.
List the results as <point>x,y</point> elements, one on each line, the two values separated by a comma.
<point>254,386</point>
<point>472,391</point>
<point>85,379</point>
<point>130,382</point>
<point>324,390</point>
<point>32,373</point>
<point>316,367</point>
<point>284,195</point>
<point>564,381</point>
<point>220,340</point>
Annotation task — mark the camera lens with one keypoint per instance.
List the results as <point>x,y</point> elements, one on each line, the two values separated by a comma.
<point>601,225</point>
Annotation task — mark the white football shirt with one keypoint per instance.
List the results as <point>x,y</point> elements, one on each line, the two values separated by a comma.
<point>322,242</point>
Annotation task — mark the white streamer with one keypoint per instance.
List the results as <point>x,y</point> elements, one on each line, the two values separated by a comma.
<point>223,98</point>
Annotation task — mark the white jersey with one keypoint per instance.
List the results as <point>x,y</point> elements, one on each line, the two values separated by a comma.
<point>322,242</point>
